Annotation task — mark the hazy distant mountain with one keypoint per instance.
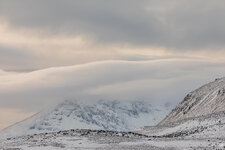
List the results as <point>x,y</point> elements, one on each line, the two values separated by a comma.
<point>107,115</point>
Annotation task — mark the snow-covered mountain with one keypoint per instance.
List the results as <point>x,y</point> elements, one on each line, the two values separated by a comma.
<point>198,122</point>
<point>206,100</point>
<point>210,126</point>
<point>201,114</point>
<point>107,115</point>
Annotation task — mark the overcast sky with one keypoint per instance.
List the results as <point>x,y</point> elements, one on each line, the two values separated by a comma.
<point>156,50</point>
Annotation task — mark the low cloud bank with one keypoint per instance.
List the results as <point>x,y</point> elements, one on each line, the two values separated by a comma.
<point>159,81</point>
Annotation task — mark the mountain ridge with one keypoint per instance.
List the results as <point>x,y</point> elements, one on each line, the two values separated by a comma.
<point>208,99</point>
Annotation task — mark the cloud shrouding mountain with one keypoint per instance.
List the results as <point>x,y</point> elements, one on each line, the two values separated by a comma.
<point>158,81</point>
<point>159,50</point>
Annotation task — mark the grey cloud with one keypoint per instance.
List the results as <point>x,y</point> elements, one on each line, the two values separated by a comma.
<point>158,81</point>
<point>10,59</point>
<point>176,24</point>
<point>198,24</point>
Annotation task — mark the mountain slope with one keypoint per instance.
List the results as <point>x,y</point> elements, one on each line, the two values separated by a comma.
<point>210,126</point>
<point>201,114</point>
<point>206,100</point>
<point>107,115</point>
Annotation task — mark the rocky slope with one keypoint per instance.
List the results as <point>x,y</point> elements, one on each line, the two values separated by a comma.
<point>210,126</point>
<point>201,114</point>
<point>206,100</point>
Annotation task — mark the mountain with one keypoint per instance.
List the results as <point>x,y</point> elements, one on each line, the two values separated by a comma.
<point>101,114</point>
<point>211,126</point>
<point>206,100</point>
<point>198,122</point>
<point>201,114</point>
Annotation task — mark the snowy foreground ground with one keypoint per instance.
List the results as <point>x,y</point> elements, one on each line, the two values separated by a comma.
<point>107,140</point>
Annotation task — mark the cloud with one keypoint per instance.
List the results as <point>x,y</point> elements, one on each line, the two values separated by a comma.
<point>23,49</point>
<point>14,59</point>
<point>9,116</point>
<point>160,81</point>
<point>176,24</point>
<point>159,50</point>
<point>34,49</point>
<point>122,80</point>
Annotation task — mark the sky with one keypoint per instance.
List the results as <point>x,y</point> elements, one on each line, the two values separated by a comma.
<point>51,50</point>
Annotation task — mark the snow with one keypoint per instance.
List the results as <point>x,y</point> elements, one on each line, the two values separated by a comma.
<point>199,118</point>
<point>102,114</point>
<point>106,140</point>
<point>197,123</point>
<point>208,99</point>
<point>200,115</point>
<point>211,126</point>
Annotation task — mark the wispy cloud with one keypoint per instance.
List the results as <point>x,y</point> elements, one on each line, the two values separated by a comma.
<point>31,49</point>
